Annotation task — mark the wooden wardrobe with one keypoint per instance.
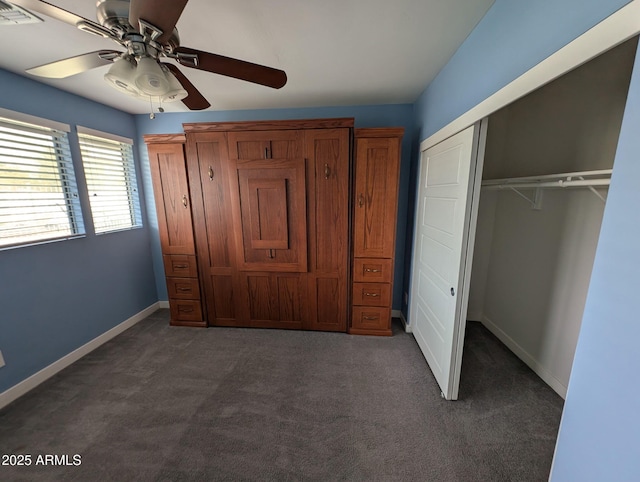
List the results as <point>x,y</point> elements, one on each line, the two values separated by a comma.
<point>267,217</point>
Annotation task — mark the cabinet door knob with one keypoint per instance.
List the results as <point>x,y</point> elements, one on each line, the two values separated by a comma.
<point>185,203</point>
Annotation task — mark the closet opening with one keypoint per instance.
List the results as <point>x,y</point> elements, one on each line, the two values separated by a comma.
<point>547,165</point>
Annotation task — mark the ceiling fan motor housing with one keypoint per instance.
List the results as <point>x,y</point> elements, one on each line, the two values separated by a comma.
<point>114,15</point>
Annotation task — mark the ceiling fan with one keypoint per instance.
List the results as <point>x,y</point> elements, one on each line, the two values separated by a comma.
<point>146,29</point>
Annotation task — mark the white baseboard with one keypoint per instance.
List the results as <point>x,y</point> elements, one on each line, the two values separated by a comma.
<point>163,304</point>
<point>36,379</point>
<point>398,314</point>
<point>530,361</point>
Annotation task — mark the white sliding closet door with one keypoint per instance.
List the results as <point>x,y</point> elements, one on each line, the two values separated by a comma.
<point>446,213</point>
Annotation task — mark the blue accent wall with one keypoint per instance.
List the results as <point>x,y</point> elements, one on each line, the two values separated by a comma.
<point>600,431</point>
<point>400,115</point>
<point>58,296</point>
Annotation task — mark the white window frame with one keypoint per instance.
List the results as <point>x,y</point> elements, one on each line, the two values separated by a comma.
<point>21,203</point>
<point>110,174</point>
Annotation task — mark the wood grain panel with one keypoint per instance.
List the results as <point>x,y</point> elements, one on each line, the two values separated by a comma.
<point>171,193</point>
<point>262,305</point>
<point>291,298</point>
<point>266,212</point>
<point>328,155</point>
<point>206,160</point>
<point>331,305</point>
<point>254,145</point>
<point>376,184</point>
<point>224,301</point>
<point>330,123</point>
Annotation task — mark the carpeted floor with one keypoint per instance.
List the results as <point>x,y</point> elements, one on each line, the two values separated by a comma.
<point>160,403</point>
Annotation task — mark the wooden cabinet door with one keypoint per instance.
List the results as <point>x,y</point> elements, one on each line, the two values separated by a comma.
<point>270,216</point>
<point>327,151</point>
<point>208,174</point>
<point>171,192</point>
<point>286,144</point>
<point>376,193</point>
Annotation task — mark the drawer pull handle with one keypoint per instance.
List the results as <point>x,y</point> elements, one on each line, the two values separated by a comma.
<point>210,173</point>
<point>180,266</point>
<point>327,171</point>
<point>373,295</point>
<point>186,309</point>
<point>361,200</point>
<point>370,318</point>
<point>184,289</point>
<point>185,203</point>
<point>370,270</point>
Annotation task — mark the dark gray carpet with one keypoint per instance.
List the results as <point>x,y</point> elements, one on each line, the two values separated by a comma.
<point>164,403</point>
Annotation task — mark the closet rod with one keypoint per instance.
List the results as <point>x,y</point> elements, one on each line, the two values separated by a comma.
<point>567,176</point>
<point>548,184</point>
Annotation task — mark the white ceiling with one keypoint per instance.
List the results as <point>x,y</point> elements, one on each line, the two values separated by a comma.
<point>335,52</point>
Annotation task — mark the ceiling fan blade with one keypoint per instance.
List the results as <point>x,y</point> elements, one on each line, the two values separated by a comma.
<point>238,69</point>
<point>195,100</point>
<point>163,14</point>
<point>75,65</point>
<point>65,16</point>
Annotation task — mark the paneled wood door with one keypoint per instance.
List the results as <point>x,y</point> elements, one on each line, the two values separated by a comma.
<point>377,169</point>
<point>270,214</point>
<point>376,197</point>
<point>328,153</point>
<point>171,192</point>
<point>208,174</point>
<point>173,207</point>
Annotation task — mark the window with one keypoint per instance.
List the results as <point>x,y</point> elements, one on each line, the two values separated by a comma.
<point>38,193</point>
<point>111,180</point>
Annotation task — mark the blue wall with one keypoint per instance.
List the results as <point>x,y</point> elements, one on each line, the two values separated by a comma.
<point>56,297</point>
<point>600,431</point>
<point>365,116</point>
<point>600,425</point>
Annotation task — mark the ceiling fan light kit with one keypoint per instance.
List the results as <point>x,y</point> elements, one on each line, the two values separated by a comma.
<point>122,75</point>
<point>146,29</point>
<point>150,78</point>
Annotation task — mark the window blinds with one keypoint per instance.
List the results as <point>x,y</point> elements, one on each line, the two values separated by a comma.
<point>111,181</point>
<point>38,192</point>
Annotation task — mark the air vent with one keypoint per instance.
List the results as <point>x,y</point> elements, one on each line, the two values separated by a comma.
<point>14,15</point>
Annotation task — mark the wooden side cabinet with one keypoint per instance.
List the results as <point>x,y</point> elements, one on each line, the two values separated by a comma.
<point>173,206</point>
<point>375,206</point>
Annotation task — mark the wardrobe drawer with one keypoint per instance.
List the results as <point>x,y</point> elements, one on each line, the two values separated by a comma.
<point>372,294</point>
<point>185,310</point>
<point>370,319</point>
<point>180,266</point>
<point>183,288</point>
<point>372,270</point>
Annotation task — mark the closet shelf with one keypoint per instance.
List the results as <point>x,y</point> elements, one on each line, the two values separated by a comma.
<point>580,179</point>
